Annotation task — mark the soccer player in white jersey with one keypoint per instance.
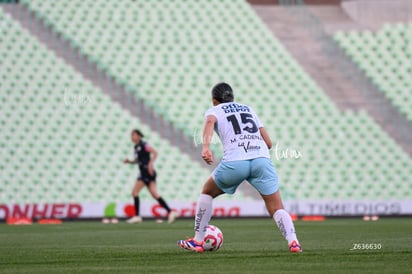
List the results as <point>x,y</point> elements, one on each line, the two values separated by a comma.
<point>246,156</point>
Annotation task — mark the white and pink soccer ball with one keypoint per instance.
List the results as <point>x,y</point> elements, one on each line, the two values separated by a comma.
<point>213,238</point>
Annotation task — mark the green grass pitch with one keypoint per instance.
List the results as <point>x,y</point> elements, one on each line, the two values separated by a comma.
<point>250,246</point>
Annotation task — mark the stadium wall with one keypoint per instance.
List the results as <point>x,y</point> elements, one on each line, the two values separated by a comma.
<point>375,13</point>
<point>77,211</point>
<point>297,2</point>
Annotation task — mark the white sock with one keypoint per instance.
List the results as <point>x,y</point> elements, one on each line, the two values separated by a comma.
<point>203,215</point>
<point>285,225</point>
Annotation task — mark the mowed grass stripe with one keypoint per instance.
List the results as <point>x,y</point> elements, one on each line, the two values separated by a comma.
<point>250,246</point>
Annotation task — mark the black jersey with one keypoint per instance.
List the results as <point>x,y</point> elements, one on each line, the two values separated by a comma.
<point>142,155</point>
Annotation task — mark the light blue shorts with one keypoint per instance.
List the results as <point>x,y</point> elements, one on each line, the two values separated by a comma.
<point>259,172</point>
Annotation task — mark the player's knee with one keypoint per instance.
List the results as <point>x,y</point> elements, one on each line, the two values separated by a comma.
<point>212,193</point>
<point>277,208</point>
<point>273,209</point>
<point>155,195</point>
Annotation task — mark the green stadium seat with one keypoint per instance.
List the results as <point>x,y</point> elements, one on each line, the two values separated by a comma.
<point>67,160</point>
<point>385,58</point>
<point>172,63</point>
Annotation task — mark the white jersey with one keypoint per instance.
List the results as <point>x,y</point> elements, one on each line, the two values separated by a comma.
<point>238,129</point>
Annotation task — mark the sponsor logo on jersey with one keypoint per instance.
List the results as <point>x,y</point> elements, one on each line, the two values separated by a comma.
<point>235,108</point>
<point>248,147</point>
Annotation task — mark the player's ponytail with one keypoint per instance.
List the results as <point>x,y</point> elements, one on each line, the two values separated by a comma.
<point>223,93</point>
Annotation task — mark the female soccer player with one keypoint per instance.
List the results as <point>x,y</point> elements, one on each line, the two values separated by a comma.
<point>145,156</point>
<point>246,156</point>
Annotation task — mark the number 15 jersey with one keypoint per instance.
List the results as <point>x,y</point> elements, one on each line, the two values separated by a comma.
<point>238,129</point>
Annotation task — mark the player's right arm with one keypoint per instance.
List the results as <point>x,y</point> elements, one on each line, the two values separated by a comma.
<point>266,137</point>
<point>127,161</point>
<point>207,138</point>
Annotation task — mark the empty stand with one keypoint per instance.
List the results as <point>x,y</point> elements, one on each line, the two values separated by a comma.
<point>386,58</point>
<point>170,53</point>
<point>64,140</point>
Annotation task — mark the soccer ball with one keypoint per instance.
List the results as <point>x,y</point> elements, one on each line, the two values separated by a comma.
<point>213,238</point>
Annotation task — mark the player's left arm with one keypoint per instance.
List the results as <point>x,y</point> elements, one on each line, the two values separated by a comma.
<point>153,156</point>
<point>266,137</point>
<point>262,131</point>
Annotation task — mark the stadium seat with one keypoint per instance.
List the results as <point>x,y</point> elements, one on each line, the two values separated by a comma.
<point>385,57</point>
<point>58,149</point>
<point>170,54</point>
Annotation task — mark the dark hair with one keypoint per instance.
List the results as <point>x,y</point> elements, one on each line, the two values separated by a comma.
<point>138,132</point>
<point>223,93</point>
